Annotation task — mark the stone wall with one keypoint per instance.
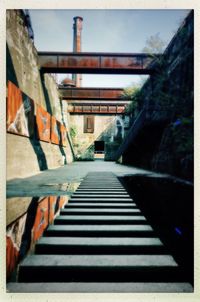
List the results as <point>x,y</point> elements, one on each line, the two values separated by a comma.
<point>27,152</point>
<point>164,141</point>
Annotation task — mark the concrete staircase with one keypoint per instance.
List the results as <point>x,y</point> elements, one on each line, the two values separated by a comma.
<point>101,242</point>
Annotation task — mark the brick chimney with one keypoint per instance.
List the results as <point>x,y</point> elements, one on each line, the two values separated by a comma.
<point>77,27</point>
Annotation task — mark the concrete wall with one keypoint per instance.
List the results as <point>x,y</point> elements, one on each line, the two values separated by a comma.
<point>28,155</point>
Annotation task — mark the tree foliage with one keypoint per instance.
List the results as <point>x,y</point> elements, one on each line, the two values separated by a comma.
<point>131,93</point>
<point>154,44</point>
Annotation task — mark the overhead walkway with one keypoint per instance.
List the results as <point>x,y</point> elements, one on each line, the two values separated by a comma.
<point>97,63</point>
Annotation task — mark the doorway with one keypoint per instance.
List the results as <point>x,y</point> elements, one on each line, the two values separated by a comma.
<point>99,151</point>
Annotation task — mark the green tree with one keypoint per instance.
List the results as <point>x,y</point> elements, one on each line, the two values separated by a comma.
<point>131,93</point>
<point>154,44</point>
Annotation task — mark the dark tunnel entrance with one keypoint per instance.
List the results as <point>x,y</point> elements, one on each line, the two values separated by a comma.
<point>99,149</point>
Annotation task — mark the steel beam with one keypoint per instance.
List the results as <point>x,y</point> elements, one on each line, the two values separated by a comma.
<point>91,93</point>
<point>97,103</point>
<point>102,109</point>
<point>96,63</point>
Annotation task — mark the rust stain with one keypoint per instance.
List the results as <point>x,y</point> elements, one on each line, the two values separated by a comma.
<point>63,132</point>
<point>121,62</point>
<point>12,256</point>
<point>63,201</point>
<point>85,93</point>
<point>14,235</point>
<point>96,61</point>
<point>100,93</point>
<point>55,131</point>
<point>14,101</point>
<point>43,124</point>
<point>75,62</point>
<point>110,94</point>
<point>20,112</point>
<point>41,219</point>
<point>52,205</point>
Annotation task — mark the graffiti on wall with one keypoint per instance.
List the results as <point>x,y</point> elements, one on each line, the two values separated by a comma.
<point>43,119</point>
<point>14,235</point>
<point>63,132</point>
<point>52,208</point>
<point>62,201</point>
<point>22,234</point>
<point>20,112</point>
<point>55,204</point>
<point>21,118</point>
<point>41,219</point>
<point>55,131</point>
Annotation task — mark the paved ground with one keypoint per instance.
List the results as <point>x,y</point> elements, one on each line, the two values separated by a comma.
<point>62,181</point>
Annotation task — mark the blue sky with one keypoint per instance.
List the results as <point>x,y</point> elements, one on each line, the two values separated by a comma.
<point>104,31</point>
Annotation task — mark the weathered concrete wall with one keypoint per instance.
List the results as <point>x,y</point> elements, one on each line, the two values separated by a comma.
<point>23,64</point>
<point>29,155</point>
<point>35,155</point>
<point>164,140</point>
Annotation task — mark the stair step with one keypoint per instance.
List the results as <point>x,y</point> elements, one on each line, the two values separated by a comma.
<point>99,211</point>
<point>96,185</point>
<point>106,184</point>
<point>99,219</point>
<point>99,205</point>
<point>96,245</point>
<point>99,230</point>
<point>100,287</point>
<point>105,187</point>
<point>101,190</point>
<point>100,181</point>
<point>91,193</point>
<point>77,268</point>
<point>97,199</point>
<point>77,195</point>
<point>100,175</point>
<point>97,180</point>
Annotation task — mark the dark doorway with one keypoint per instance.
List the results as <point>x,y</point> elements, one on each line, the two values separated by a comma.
<point>99,149</point>
<point>99,146</point>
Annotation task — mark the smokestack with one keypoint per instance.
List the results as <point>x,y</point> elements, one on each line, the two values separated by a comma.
<point>77,27</point>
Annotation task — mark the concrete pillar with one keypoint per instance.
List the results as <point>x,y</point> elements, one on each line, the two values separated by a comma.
<point>77,27</point>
